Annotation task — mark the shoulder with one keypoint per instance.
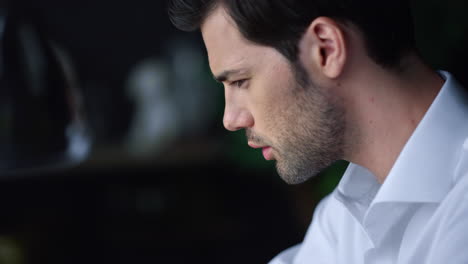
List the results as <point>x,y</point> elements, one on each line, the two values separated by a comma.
<point>449,223</point>
<point>451,227</point>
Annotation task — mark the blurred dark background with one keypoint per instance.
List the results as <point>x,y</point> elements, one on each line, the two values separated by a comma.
<point>164,183</point>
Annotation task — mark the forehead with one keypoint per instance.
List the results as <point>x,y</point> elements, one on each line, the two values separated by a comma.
<point>226,47</point>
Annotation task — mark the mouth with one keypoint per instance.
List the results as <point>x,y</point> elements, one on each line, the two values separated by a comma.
<point>267,151</point>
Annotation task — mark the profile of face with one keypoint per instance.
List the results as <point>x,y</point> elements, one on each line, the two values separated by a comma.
<point>298,126</point>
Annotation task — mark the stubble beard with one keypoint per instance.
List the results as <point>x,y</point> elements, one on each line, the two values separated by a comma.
<point>312,134</point>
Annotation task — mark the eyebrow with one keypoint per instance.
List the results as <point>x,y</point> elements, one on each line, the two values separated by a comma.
<point>225,75</point>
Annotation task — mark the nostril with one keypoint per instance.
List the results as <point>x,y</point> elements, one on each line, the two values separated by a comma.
<point>228,124</point>
<point>237,120</point>
<point>229,120</point>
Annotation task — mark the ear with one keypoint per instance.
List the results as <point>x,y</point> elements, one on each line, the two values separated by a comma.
<point>323,48</point>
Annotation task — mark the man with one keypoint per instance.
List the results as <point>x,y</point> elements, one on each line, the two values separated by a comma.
<point>312,82</point>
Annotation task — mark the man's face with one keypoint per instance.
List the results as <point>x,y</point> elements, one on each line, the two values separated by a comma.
<point>297,126</point>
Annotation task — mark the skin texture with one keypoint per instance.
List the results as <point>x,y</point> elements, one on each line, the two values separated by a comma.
<point>351,109</point>
<point>302,125</point>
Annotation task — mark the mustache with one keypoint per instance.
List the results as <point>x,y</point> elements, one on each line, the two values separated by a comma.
<point>251,136</point>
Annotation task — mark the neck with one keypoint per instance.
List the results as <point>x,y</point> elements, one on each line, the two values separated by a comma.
<point>385,112</point>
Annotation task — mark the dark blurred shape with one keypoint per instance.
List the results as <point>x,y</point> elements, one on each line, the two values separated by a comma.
<point>41,120</point>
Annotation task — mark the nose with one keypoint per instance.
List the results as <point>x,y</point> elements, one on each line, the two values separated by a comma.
<point>235,118</point>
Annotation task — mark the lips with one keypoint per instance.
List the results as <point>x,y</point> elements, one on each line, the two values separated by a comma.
<point>267,151</point>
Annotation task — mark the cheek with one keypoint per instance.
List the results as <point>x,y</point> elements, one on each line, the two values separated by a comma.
<point>275,85</point>
<point>272,94</point>
<point>272,106</point>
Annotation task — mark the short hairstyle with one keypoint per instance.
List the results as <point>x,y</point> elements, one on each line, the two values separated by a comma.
<point>387,26</point>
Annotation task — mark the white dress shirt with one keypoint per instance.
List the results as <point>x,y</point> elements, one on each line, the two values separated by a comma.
<point>418,215</point>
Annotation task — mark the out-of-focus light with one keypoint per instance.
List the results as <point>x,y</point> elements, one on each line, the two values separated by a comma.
<point>42,124</point>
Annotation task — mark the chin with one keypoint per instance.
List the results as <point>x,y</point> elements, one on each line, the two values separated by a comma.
<point>297,174</point>
<point>293,176</point>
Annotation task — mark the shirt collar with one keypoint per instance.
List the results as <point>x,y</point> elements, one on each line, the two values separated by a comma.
<point>423,171</point>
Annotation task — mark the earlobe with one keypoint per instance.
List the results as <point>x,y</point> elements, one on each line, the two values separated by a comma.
<point>323,47</point>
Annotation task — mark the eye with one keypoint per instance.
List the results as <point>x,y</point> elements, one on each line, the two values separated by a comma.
<point>238,83</point>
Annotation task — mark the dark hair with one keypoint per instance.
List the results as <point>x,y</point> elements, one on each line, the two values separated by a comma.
<point>387,26</point>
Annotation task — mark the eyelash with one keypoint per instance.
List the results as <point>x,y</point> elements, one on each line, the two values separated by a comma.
<point>238,83</point>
